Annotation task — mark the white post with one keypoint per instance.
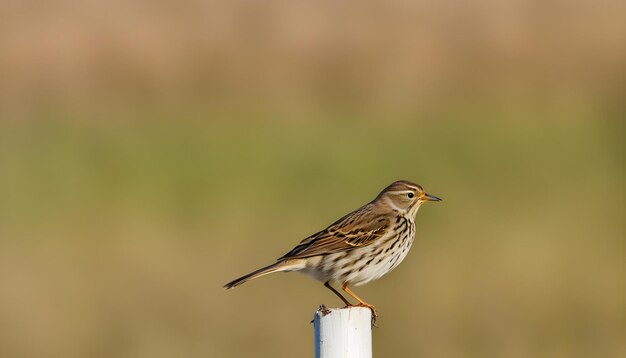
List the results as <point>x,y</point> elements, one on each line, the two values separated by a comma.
<point>343,332</point>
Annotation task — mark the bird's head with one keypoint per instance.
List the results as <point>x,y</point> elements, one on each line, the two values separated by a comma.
<point>405,196</point>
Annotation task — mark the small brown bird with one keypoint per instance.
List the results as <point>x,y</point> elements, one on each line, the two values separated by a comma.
<point>358,248</point>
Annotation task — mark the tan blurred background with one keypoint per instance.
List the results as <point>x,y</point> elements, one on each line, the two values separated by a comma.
<point>152,151</point>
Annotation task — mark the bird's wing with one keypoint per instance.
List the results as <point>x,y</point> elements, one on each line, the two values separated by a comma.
<point>357,229</point>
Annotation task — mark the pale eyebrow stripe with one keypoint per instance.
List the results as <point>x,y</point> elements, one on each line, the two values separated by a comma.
<point>402,191</point>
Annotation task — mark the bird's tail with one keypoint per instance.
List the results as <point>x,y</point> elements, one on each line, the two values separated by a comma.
<point>276,267</point>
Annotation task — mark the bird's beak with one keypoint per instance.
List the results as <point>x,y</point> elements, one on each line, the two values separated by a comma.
<point>428,197</point>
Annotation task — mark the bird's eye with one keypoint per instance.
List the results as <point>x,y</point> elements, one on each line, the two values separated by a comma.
<point>410,195</point>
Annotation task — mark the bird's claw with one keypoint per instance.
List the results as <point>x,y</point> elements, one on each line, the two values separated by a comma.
<point>374,313</point>
<point>371,307</point>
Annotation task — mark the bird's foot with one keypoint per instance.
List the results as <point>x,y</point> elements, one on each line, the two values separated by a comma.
<point>371,307</point>
<point>374,313</point>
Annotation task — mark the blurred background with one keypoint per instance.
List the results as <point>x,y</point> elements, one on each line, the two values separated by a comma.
<point>151,151</point>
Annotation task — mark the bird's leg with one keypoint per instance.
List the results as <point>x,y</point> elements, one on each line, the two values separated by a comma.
<point>327,284</point>
<point>361,302</point>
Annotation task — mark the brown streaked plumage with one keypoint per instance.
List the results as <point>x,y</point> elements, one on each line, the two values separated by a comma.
<point>358,248</point>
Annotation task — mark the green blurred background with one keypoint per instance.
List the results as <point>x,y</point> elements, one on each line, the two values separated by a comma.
<point>152,151</point>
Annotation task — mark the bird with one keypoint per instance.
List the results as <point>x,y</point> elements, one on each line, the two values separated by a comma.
<point>362,246</point>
